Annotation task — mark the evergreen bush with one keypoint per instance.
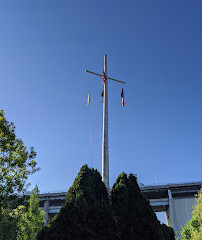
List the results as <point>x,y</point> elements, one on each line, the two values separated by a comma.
<point>88,213</point>
<point>133,215</point>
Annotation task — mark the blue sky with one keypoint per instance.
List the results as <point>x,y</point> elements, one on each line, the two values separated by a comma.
<point>154,46</point>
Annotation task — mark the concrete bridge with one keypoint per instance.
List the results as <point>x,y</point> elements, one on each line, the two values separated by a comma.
<point>176,200</point>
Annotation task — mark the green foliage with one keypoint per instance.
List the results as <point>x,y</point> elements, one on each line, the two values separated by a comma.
<point>86,212</point>
<point>22,223</point>
<point>193,229</point>
<point>16,163</point>
<point>31,220</point>
<point>132,213</point>
<point>8,229</point>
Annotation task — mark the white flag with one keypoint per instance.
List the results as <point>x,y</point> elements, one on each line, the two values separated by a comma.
<point>88,99</point>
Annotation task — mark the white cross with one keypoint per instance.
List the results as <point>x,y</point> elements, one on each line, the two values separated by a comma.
<point>105,146</point>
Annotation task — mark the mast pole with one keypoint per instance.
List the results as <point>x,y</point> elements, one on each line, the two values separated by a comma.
<point>105,143</point>
<point>105,146</point>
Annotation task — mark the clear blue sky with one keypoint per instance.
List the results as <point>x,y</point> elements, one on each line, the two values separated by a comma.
<point>155,46</point>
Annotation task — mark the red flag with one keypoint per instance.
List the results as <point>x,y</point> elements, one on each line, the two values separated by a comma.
<point>104,78</point>
<point>122,98</point>
<point>123,102</point>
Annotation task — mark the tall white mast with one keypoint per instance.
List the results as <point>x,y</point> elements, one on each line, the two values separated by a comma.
<point>105,143</point>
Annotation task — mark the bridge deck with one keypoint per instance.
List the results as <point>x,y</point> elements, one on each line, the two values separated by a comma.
<point>158,195</point>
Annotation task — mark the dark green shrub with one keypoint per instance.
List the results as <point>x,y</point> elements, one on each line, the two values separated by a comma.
<point>86,212</point>
<point>133,216</point>
<point>88,215</point>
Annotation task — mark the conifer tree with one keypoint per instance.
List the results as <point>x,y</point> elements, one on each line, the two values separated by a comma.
<point>132,213</point>
<point>86,212</point>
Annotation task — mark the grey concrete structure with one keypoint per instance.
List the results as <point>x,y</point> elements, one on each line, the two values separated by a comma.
<point>176,200</point>
<point>179,212</point>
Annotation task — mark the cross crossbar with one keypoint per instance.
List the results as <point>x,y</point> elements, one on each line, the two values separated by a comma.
<point>107,77</point>
<point>105,142</point>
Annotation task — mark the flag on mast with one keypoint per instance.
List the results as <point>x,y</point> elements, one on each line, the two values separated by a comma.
<point>104,78</point>
<point>88,99</point>
<point>122,98</point>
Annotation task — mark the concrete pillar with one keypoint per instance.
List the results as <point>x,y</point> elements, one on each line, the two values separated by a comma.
<point>46,209</point>
<point>168,220</point>
<point>179,212</point>
<point>170,194</point>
